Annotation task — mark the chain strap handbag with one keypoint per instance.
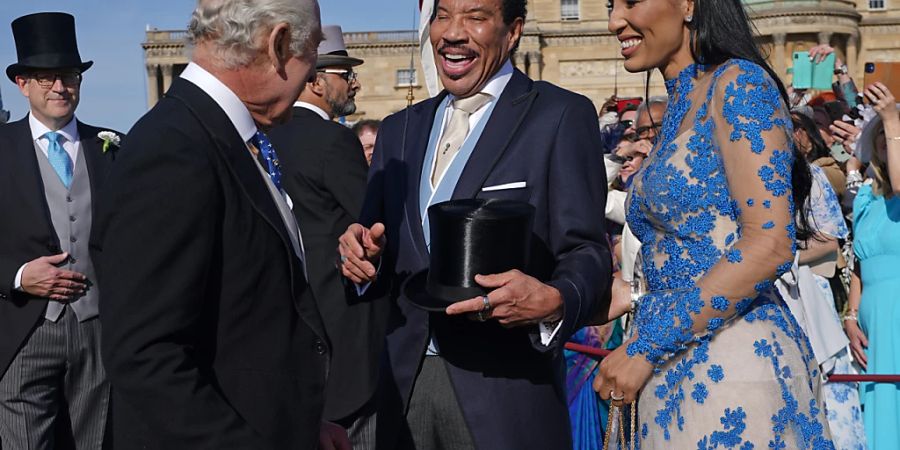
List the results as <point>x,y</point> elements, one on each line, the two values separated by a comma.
<point>617,412</point>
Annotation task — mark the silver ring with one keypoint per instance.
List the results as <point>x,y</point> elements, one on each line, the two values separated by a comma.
<point>343,259</point>
<point>614,398</point>
<point>486,302</point>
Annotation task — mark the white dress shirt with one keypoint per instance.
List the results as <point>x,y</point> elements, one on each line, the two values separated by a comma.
<point>243,122</point>
<point>71,143</point>
<point>321,112</point>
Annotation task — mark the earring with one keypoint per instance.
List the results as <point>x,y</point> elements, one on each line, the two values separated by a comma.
<point>688,19</point>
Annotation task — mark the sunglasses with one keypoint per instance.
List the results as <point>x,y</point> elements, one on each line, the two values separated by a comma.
<point>626,123</point>
<point>348,75</point>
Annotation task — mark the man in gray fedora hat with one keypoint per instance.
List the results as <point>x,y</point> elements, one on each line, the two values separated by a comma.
<point>53,388</point>
<point>324,171</point>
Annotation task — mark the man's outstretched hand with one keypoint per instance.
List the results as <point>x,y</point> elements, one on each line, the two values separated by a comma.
<point>360,249</point>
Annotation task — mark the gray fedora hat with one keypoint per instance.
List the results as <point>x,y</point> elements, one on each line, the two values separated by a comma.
<point>332,51</point>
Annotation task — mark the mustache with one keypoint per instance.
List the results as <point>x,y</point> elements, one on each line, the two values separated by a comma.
<point>461,50</point>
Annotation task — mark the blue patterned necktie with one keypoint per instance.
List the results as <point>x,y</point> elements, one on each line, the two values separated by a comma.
<point>261,142</point>
<point>59,159</point>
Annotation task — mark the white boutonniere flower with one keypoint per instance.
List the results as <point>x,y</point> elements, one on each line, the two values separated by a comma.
<point>109,139</point>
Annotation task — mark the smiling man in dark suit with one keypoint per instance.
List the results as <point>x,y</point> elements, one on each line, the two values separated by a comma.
<point>52,168</point>
<point>452,382</point>
<point>324,171</point>
<point>213,339</point>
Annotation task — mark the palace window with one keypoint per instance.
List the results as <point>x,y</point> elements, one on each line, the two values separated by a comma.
<point>569,10</point>
<point>406,77</point>
<point>876,4</point>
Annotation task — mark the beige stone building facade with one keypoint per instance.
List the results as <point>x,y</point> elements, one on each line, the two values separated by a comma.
<point>566,42</point>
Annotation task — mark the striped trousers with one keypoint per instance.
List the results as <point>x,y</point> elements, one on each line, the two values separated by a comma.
<point>54,393</point>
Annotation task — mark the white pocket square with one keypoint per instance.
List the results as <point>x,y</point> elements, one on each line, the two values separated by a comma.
<point>501,187</point>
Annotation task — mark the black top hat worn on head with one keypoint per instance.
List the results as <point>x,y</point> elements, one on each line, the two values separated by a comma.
<point>45,41</point>
<point>470,237</point>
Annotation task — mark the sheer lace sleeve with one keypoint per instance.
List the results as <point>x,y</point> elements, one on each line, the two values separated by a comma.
<point>751,129</point>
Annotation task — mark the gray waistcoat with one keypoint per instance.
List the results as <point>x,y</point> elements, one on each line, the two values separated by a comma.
<point>70,211</point>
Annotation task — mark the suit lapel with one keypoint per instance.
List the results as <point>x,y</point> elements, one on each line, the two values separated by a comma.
<point>237,157</point>
<point>512,107</point>
<point>97,161</point>
<point>416,134</point>
<point>30,182</point>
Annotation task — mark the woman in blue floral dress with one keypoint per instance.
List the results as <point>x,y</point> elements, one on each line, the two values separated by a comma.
<point>717,357</point>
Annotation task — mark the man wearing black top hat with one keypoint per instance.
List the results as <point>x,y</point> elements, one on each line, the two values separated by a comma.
<point>486,372</point>
<point>51,168</point>
<point>324,171</point>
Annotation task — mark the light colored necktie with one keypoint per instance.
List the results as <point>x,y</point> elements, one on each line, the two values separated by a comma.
<point>59,159</point>
<point>456,132</point>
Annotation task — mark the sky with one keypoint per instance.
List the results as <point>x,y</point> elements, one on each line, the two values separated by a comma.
<point>110,33</point>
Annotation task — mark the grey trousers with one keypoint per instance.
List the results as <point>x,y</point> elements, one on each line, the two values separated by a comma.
<point>56,374</point>
<point>435,420</point>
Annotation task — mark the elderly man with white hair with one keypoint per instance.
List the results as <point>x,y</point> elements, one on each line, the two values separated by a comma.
<point>211,335</point>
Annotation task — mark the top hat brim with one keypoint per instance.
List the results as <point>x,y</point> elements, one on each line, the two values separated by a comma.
<point>414,289</point>
<point>18,69</point>
<point>336,60</point>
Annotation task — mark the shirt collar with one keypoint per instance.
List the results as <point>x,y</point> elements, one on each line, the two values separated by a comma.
<point>321,112</point>
<point>234,108</point>
<point>495,86</point>
<point>38,129</point>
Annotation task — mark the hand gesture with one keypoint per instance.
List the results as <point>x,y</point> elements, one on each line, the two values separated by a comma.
<point>621,377</point>
<point>360,249</point>
<point>858,342</point>
<point>41,278</point>
<point>516,300</point>
<point>333,437</point>
<point>821,51</point>
<point>883,103</point>
<point>845,133</point>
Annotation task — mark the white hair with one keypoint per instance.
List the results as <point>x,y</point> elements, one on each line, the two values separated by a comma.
<point>233,26</point>
<point>654,100</point>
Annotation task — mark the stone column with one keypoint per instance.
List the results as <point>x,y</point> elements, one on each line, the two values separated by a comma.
<point>520,62</point>
<point>779,63</point>
<point>825,37</point>
<point>852,54</point>
<point>534,65</point>
<point>167,76</point>
<point>152,85</point>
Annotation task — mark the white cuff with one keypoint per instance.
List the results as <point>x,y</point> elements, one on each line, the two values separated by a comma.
<point>361,288</point>
<point>548,331</point>
<point>17,284</point>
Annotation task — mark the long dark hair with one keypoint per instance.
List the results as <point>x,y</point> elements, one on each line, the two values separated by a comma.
<point>721,30</point>
<point>808,126</point>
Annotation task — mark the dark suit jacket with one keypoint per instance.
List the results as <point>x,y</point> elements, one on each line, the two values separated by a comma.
<point>26,230</point>
<point>324,171</point>
<point>509,386</point>
<point>211,338</point>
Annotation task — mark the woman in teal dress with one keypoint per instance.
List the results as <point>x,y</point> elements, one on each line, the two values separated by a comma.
<point>875,338</point>
<point>717,359</point>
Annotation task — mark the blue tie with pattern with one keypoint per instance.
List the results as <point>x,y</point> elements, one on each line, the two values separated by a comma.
<point>59,159</point>
<point>261,142</point>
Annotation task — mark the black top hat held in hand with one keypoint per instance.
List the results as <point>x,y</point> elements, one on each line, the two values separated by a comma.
<point>470,237</point>
<point>45,41</point>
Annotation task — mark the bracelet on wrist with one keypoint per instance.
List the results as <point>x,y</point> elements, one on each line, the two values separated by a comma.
<point>847,317</point>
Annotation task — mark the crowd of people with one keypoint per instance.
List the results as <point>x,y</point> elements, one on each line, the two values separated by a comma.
<point>243,271</point>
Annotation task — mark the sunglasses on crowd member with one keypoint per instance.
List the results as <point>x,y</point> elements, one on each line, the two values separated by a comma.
<point>46,79</point>
<point>626,124</point>
<point>643,132</point>
<point>348,75</point>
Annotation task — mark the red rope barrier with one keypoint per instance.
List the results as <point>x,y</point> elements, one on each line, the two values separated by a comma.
<point>587,350</point>
<point>600,353</point>
<point>864,378</point>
